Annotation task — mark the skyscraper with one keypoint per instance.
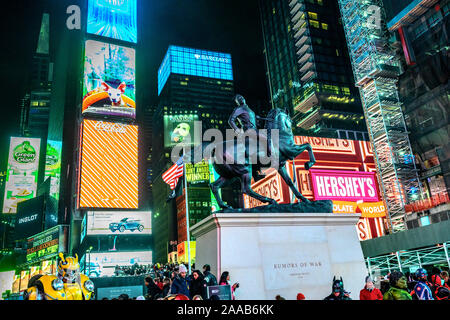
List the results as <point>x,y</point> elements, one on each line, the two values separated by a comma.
<point>308,67</point>
<point>35,107</point>
<point>193,85</point>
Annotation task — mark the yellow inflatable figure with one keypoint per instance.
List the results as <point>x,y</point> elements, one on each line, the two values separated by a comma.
<point>68,284</point>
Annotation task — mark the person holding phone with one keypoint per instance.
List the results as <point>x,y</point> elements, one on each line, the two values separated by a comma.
<point>224,281</point>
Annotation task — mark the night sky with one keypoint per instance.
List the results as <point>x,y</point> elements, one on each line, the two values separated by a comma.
<point>231,26</point>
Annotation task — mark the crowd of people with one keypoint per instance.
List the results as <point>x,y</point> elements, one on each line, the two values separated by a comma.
<point>172,282</point>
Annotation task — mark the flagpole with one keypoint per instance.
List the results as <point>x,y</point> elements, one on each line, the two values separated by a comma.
<point>187,213</point>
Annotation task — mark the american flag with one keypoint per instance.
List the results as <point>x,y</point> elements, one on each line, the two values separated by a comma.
<point>172,175</point>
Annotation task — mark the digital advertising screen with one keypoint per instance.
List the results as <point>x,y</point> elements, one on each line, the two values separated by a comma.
<point>47,244</point>
<point>22,172</point>
<point>344,172</point>
<point>35,270</point>
<point>115,19</point>
<point>179,130</point>
<point>109,166</point>
<point>53,166</point>
<point>118,223</point>
<point>109,80</point>
<point>102,264</point>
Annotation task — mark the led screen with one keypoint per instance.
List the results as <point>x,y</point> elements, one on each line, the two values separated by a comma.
<point>22,172</point>
<point>194,62</point>
<point>102,264</point>
<point>115,19</point>
<point>179,129</point>
<point>109,166</point>
<point>53,166</point>
<point>109,80</point>
<point>118,222</point>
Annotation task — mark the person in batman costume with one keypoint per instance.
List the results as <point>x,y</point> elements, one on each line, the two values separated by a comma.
<point>338,292</point>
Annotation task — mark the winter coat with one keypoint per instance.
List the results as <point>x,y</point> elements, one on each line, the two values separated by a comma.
<point>210,279</point>
<point>198,287</point>
<point>366,294</point>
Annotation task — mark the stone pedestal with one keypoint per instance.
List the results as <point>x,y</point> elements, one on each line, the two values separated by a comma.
<point>282,253</point>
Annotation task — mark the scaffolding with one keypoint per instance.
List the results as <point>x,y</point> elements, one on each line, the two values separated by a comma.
<point>408,261</point>
<point>376,72</point>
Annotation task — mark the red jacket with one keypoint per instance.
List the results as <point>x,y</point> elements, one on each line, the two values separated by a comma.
<point>375,294</point>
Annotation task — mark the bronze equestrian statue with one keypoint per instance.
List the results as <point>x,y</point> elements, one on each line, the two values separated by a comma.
<point>285,150</point>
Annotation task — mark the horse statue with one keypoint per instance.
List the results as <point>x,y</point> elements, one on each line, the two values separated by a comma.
<point>285,148</point>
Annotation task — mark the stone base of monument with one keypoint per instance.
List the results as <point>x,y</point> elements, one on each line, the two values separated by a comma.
<point>272,254</point>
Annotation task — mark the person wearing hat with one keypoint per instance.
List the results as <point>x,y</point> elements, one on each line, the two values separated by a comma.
<point>370,292</point>
<point>180,284</point>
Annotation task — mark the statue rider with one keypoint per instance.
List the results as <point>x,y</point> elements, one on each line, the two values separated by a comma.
<point>244,117</point>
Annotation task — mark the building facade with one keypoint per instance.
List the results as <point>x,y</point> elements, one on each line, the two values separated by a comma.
<point>308,67</point>
<point>193,86</point>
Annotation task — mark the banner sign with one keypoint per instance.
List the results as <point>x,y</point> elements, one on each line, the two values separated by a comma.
<point>47,244</point>
<point>367,209</point>
<point>22,172</point>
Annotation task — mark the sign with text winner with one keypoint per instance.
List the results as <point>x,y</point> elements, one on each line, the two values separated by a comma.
<point>109,166</point>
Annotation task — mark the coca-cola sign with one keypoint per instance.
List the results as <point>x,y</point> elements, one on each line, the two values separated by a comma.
<point>111,127</point>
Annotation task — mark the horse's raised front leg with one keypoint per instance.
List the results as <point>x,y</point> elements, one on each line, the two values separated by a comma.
<point>282,171</point>
<point>312,159</point>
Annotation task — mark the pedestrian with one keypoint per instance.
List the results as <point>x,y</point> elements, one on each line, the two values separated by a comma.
<point>210,279</point>
<point>300,296</point>
<point>438,288</point>
<point>422,290</point>
<point>370,292</point>
<point>198,285</point>
<point>166,288</point>
<point>180,284</point>
<point>444,276</point>
<point>338,291</point>
<point>224,281</point>
<point>152,289</point>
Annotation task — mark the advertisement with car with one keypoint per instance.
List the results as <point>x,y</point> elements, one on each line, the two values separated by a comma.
<point>118,222</point>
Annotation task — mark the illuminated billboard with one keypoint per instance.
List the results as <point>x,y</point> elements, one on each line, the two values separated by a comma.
<point>179,129</point>
<point>102,264</point>
<point>115,19</point>
<point>118,223</point>
<point>109,80</point>
<point>344,172</point>
<point>109,166</point>
<point>344,185</point>
<point>53,166</point>
<point>47,244</point>
<point>194,62</point>
<point>22,172</point>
